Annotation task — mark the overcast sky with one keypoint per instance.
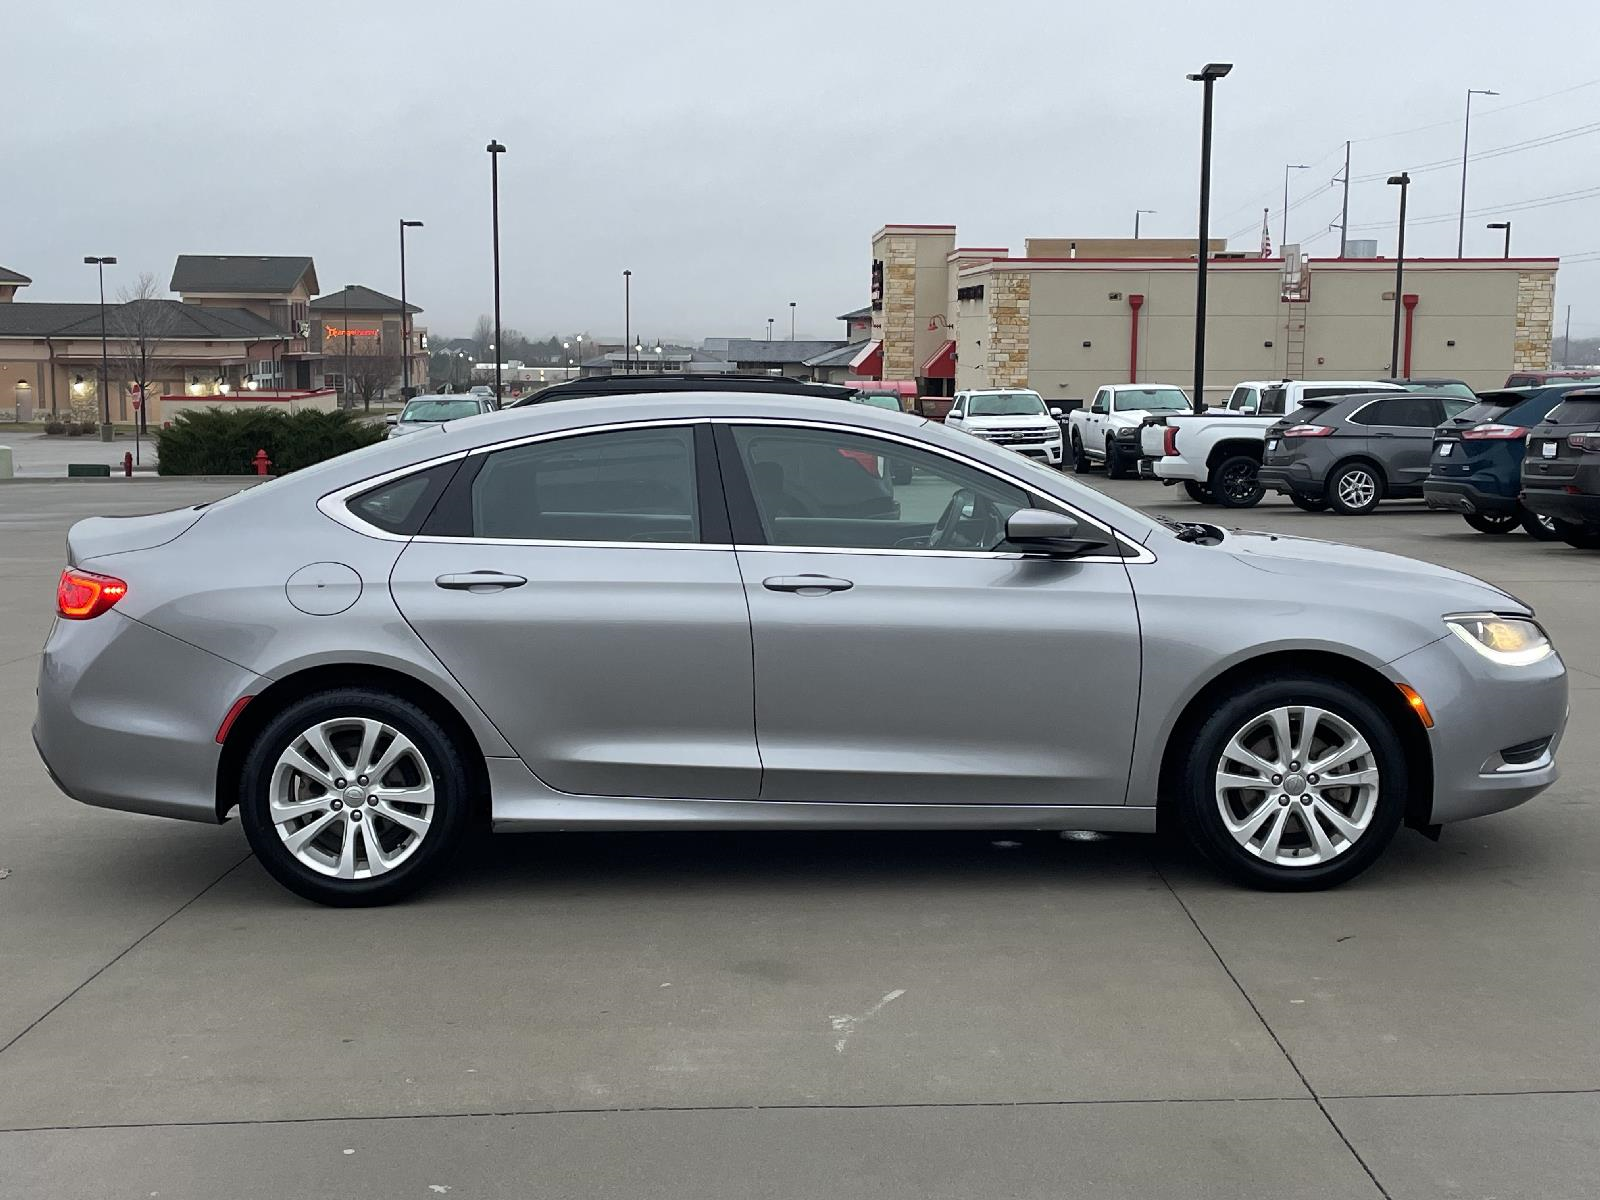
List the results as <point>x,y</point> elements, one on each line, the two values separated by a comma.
<point>737,156</point>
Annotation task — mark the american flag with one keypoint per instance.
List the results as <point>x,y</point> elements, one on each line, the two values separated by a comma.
<point>1266,236</point>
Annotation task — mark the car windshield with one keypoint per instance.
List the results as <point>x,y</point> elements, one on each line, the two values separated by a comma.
<point>1443,387</point>
<point>880,400</point>
<point>439,410</point>
<point>1154,399</point>
<point>1006,404</point>
<point>1485,410</point>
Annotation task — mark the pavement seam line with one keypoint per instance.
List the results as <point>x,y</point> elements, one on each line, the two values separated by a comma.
<point>1272,1033</point>
<point>129,948</point>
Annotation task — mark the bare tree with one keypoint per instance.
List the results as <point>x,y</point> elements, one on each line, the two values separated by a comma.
<point>373,367</point>
<point>142,325</point>
<point>482,335</point>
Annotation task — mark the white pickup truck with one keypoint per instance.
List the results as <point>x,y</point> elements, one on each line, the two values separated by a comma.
<point>1215,454</point>
<point>1107,431</point>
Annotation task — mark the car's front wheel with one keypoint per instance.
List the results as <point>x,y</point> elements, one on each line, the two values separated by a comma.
<point>1579,537</point>
<point>353,797</point>
<point>1294,784</point>
<point>1198,492</point>
<point>1540,528</point>
<point>1114,465</point>
<point>1080,460</point>
<point>1493,522</point>
<point>1308,503</point>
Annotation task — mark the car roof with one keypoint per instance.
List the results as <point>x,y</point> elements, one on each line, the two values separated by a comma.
<point>671,383</point>
<point>1138,387</point>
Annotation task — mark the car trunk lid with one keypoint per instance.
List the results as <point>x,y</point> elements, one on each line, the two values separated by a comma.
<point>97,537</point>
<point>1551,459</point>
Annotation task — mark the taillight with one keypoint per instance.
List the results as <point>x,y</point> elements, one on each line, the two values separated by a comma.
<point>1494,433</point>
<point>1169,440</point>
<point>1584,441</point>
<point>82,594</point>
<point>1307,431</point>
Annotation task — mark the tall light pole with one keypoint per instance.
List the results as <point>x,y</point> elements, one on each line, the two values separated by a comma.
<point>100,265</point>
<point>791,320</point>
<point>1505,225</point>
<point>495,150</point>
<point>345,391</point>
<point>405,314</point>
<point>769,328</point>
<point>1207,77</point>
<point>627,321</point>
<point>1287,167</point>
<point>1466,136</point>
<point>1137,213</point>
<point>1403,182</point>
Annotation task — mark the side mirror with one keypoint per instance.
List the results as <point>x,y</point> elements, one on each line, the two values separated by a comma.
<point>1053,533</point>
<point>392,419</point>
<point>1055,412</point>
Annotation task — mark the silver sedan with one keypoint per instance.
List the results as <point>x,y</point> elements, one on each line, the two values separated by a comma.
<point>729,611</point>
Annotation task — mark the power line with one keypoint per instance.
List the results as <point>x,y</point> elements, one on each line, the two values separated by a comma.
<point>1487,112</point>
<point>1512,206</point>
<point>1533,143</point>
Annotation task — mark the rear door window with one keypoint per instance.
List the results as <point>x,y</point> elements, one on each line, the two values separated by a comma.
<point>1577,410</point>
<point>1408,412</point>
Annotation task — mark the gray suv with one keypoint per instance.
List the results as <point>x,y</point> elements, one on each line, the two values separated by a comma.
<point>1350,452</point>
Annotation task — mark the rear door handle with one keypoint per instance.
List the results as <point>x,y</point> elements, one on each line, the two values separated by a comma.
<point>479,581</point>
<point>806,585</point>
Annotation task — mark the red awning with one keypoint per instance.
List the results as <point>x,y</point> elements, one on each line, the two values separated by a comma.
<point>941,363</point>
<point>869,363</point>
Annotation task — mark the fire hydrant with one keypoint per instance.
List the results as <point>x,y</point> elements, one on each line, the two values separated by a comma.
<point>127,464</point>
<point>262,462</point>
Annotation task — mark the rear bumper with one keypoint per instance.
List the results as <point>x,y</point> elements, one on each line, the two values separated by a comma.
<point>1292,479</point>
<point>1176,469</point>
<point>1458,496</point>
<point>1564,506</point>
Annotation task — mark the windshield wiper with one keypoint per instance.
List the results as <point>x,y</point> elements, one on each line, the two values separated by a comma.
<point>1192,531</point>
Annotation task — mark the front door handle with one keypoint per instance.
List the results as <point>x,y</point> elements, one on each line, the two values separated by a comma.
<point>806,585</point>
<point>479,581</point>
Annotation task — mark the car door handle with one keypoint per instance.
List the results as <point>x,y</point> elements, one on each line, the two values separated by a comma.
<point>1376,434</point>
<point>806,585</point>
<point>473,581</point>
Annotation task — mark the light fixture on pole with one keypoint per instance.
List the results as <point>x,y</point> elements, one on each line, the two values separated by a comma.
<point>1505,225</point>
<point>791,320</point>
<point>495,150</point>
<point>100,264</point>
<point>1287,167</point>
<point>405,314</point>
<point>769,328</point>
<point>1466,135</point>
<point>661,363</point>
<point>1403,182</point>
<point>1207,77</point>
<point>1137,213</point>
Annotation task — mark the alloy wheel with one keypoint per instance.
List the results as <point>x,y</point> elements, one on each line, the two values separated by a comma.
<point>1357,488</point>
<point>1297,786</point>
<point>352,798</point>
<point>1238,484</point>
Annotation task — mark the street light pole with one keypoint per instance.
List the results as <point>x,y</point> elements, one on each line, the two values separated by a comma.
<point>1137,213</point>
<point>100,265</point>
<point>1466,135</point>
<point>405,314</point>
<point>1287,167</point>
<point>627,321</point>
<point>1403,182</point>
<point>495,150</point>
<point>1207,77</point>
<point>769,329</point>
<point>1505,225</point>
<point>345,391</point>
<point>791,320</point>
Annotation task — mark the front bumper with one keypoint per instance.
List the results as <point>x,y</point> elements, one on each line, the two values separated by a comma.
<point>1045,452</point>
<point>128,716</point>
<point>1479,709</point>
<point>1580,508</point>
<point>1460,496</point>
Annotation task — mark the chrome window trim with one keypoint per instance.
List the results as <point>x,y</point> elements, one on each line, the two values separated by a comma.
<point>333,504</point>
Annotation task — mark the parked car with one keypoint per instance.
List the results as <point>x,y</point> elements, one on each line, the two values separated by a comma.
<point>1216,454</point>
<point>1352,452</point>
<point>424,412</point>
<point>1541,378</point>
<point>1477,460</point>
<point>1107,432</point>
<point>1016,418</point>
<point>1439,385</point>
<point>482,389</point>
<point>1561,470</point>
<point>553,620</point>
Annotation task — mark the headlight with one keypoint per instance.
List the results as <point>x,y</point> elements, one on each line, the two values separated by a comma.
<point>1510,641</point>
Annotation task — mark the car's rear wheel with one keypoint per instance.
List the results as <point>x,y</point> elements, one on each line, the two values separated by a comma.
<point>1308,503</point>
<point>1294,784</point>
<point>1080,460</point>
<point>1539,527</point>
<point>1493,522</point>
<point>1355,489</point>
<point>1198,492</point>
<point>1236,482</point>
<point>353,797</point>
<point>1580,537</point>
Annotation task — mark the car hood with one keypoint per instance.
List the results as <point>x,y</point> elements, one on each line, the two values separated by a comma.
<point>1333,564</point>
<point>1136,416</point>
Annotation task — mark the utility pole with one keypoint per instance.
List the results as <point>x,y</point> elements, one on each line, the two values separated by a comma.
<point>1566,341</point>
<point>1344,210</point>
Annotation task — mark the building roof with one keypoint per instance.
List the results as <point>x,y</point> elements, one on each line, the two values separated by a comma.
<point>759,350</point>
<point>9,276</point>
<point>242,274</point>
<point>361,299</point>
<point>856,314</point>
<point>171,319</point>
<point>842,357</point>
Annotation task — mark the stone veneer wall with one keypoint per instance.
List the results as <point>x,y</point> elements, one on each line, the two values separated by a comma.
<point>1536,310</point>
<point>1006,347</point>
<point>899,307</point>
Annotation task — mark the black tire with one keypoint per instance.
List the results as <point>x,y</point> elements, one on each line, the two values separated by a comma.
<point>1198,492</point>
<point>1114,465</point>
<point>1355,489</point>
<point>1308,503</point>
<point>449,818</point>
<point>1542,529</point>
<point>1235,482</point>
<point>1200,809</point>
<point>1493,523</point>
<point>1579,537</point>
<point>1080,460</point>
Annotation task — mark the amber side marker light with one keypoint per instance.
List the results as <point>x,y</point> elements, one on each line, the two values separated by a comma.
<point>1418,705</point>
<point>82,595</point>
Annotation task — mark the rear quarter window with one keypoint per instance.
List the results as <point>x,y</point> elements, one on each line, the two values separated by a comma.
<point>402,505</point>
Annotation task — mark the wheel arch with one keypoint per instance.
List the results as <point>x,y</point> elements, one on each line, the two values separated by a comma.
<point>1365,458</point>
<point>1230,447</point>
<point>283,692</point>
<point>1325,664</point>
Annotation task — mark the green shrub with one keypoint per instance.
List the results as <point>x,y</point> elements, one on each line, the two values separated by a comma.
<point>218,442</point>
<point>55,427</point>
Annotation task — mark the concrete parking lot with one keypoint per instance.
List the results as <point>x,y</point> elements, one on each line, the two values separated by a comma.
<point>735,1016</point>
